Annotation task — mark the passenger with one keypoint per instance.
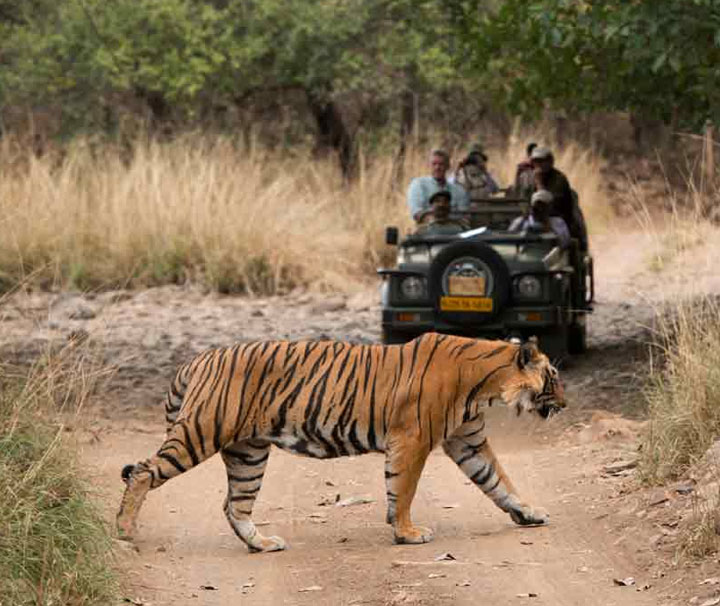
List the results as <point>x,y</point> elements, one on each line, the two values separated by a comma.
<point>440,221</point>
<point>564,203</point>
<point>539,219</point>
<point>524,176</point>
<point>473,175</point>
<point>422,188</point>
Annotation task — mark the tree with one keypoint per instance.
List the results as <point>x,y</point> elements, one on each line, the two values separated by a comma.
<point>658,58</point>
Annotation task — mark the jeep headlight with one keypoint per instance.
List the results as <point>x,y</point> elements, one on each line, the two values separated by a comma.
<point>529,287</point>
<point>413,288</point>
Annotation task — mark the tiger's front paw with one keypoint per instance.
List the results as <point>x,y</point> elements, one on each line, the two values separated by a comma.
<point>266,544</point>
<point>414,535</point>
<point>529,516</point>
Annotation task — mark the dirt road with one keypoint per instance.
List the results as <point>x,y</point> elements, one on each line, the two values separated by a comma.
<point>186,552</point>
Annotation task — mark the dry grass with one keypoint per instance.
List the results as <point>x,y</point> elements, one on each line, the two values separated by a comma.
<point>234,217</point>
<point>683,384</point>
<point>54,548</point>
<point>700,536</point>
<point>683,223</point>
<point>683,392</point>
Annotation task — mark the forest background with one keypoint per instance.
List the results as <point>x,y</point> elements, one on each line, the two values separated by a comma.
<point>349,75</point>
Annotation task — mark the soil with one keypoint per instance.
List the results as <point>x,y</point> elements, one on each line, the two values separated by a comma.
<point>604,528</point>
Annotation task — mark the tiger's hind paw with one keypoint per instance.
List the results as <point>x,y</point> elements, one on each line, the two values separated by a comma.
<point>125,529</point>
<point>530,516</point>
<point>415,535</point>
<point>267,544</point>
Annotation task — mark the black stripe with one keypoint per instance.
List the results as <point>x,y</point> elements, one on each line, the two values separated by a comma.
<point>205,366</point>
<point>474,433</point>
<point>476,389</point>
<point>172,460</point>
<point>250,491</point>
<point>355,440</point>
<point>267,368</point>
<point>483,474</point>
<point>189,445</point>
<point>493,487</point>
<point>220,380</point>
<point>343,364</point>
<point>254,478</point>
<point>235,499</point>
<point>278,422</point>
<point>422,379</point>
<point>371,437</point>
<point>250,358</point>
<point>491,354</point>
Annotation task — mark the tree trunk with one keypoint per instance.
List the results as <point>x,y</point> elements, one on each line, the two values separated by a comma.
<point>332,132</point>
<point>160,109</point>
<point>407,128</point>
<point>649,134</point>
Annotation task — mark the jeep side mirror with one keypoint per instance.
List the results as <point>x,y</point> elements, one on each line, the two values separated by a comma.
<point>391,235</point>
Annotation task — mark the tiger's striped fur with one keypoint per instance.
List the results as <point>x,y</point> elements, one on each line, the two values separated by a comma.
<point>328,399</point>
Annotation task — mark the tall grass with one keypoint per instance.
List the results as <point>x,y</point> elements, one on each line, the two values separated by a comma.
<point>54,548</point>
<point>683,392</point>
<point>683,388</point>
<point>232,216</point>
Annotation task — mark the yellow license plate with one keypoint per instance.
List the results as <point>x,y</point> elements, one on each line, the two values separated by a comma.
<point>466,304</point>
<point>466,285</point>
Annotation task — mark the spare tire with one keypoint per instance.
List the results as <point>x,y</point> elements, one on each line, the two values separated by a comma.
<point>469,259</point>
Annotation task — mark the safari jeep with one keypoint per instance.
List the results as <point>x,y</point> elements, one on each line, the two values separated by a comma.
<point>487,282</point>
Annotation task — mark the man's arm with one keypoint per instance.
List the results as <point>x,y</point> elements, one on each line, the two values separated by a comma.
<point>460,198</point>
<point>561,230</point>
<point>416,202</point>
<point>516,224</point>
<point>567,199</point>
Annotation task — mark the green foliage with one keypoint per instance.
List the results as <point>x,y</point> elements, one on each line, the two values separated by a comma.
<point>183,56</point>
<point>658,58</point>
<point>93,61</point>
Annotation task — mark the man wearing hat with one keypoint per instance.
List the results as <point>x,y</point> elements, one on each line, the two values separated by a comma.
<point>564,203</point>
<point>422,188</point>
<point>539,219</point>
<point>440,221</point>
<point>473,175</point>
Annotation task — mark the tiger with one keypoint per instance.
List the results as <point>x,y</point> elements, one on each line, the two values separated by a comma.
<point>327,399</point>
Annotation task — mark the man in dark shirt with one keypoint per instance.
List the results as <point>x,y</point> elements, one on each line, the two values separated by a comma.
<point>564,202</point>
<point>524,177</point>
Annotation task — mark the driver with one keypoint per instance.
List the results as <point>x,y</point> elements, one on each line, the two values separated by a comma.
<point>540,220</point>
<point>440,221</point>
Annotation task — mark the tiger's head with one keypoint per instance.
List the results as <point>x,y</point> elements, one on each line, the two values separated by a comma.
<point>536,386</point>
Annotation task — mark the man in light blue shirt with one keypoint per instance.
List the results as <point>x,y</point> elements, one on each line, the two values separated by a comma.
<point>422,188</point>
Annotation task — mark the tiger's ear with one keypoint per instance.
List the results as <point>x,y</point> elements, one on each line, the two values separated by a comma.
<point>527,352</point>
